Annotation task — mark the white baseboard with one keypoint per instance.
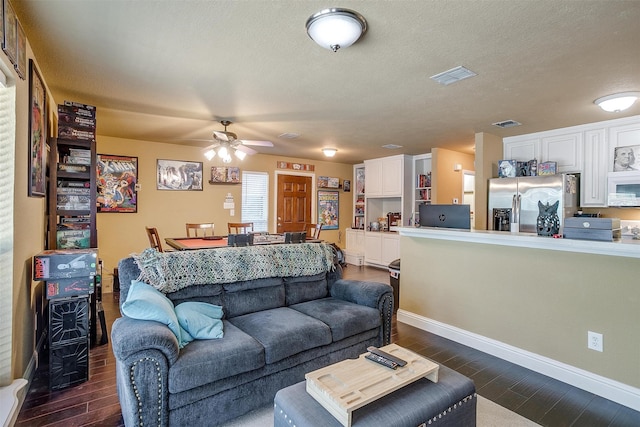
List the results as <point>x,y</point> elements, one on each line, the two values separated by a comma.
<point>602,386</point>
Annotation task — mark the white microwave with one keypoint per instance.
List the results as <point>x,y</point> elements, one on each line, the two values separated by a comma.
<point>623,188</point>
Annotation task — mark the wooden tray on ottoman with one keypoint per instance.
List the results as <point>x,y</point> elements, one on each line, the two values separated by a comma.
<point>343,387</point>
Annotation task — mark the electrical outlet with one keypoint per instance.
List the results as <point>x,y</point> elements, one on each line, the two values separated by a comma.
<point>595,341</point>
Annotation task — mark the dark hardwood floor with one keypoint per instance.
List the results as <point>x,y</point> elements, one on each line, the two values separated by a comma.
<point>537,397</point>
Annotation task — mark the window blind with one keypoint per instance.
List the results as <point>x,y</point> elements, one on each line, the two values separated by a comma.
<point>255,199</point>
<point>7,165</point>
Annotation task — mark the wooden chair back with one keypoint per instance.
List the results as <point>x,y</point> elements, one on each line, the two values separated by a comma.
<point>206,228</point>
<point>313,231</point>
<point>239,227</point>
<point>154,238</point>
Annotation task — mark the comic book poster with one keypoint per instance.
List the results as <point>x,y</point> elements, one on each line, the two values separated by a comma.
<point>328,203</point>
<point>116,183</point>
<point>179,175</point>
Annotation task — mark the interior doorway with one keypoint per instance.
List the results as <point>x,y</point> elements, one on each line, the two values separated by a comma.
<point>294,202</point>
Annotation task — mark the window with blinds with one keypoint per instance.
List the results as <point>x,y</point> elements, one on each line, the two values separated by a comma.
<point>255,199</point>
<point>7,164</point>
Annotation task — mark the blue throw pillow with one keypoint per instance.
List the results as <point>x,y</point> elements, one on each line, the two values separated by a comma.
<point>144,302</point>
<point>201,320</point>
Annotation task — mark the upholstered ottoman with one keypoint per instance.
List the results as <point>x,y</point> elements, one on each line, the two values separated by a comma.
<point>449,402</point>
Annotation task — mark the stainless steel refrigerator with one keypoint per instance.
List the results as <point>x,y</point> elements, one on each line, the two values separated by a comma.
<point>513,202</point>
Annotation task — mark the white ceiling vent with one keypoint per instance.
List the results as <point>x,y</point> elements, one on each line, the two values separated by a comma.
<point>453,75</point>
<point>392,146</point>
<point>507,124</point>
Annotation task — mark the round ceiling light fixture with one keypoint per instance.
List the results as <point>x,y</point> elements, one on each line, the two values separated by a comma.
<point>617,102</point>
<point>329,152</point>
<point>336,28</point>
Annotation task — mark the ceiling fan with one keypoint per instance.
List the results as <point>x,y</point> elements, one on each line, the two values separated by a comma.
<point>227,143</point>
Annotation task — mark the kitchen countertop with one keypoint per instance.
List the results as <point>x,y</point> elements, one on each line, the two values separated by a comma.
<point>625,247</point>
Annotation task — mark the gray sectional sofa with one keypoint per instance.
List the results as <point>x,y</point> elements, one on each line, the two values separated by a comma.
<point>287,311</point>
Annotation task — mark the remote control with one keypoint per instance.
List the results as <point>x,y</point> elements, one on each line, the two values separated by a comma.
<point>381,360</point>
<point>386,355</point>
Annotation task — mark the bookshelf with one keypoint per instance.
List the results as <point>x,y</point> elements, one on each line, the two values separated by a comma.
<point>422,182</point>
<point>72,194</point>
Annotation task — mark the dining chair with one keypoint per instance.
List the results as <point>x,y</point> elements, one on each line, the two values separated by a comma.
<point>313,231</point>
<point>239,227</point>
<point>154,238</point>
<point>206,227</point>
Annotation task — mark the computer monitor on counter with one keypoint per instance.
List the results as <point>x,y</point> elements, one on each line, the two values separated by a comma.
<point>445,216</point>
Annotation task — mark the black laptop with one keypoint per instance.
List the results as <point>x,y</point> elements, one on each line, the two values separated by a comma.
<point>445,216</point>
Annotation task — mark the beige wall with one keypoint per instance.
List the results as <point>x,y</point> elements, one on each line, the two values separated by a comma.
<point>29,231</point>
<point>537,300</point>
<point>489,150</point>
<point>447,183</point>
<point>121,234</point>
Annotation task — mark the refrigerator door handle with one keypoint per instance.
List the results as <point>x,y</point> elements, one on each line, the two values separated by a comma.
<point>514,210</point>
<point>518,207</point>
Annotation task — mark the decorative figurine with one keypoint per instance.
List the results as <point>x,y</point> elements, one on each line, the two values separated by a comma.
<point>548,222</point>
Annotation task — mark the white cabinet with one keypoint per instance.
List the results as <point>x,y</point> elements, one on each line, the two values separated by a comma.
<point>523,148</point>
<point>355,240</point>
<point>358,196</point>
<point>385,177</point>
<point>381,248</point>
<point>623,136</point>
<point>421,185</point>
<point>593,180</point>
<point>565,150</point>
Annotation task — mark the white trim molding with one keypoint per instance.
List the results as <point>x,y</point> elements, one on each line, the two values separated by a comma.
<point>599,385</point>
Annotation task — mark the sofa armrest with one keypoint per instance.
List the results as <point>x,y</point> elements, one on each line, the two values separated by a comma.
<point>130,336</point>
<point>371,294</point>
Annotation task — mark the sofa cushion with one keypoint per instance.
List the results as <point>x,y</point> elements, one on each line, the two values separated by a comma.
<point>344,318</point>
<point>283,332</point>
<point>305,288</point>
<point>144,302</point>
<point>201,320</point>
<point>205,361</point>
<point>211,294</point>
<point>253,295</point>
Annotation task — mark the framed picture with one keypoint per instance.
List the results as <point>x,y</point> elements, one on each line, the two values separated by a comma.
<point>21,52</point>
<point>37,133</point>
<point>626,158</point>
<point>116,181</point>
<point>179,175</point>
<point>233,174</point>
<point>328,209</point>
<point>10,43</point>
<point>218,174</point>
<point>346,185</point>
<point>547,168</point>
<point>507,168</point>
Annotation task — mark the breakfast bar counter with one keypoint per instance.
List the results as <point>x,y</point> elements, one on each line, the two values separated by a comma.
<point>531,300</point>
<point>626,247</point>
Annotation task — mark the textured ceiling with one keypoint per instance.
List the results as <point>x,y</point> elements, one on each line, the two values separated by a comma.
<point>168,71</point>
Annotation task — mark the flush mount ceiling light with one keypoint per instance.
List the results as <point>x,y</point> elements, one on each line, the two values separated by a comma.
<point>617,102</point>
<point>329,152</point>
<point>335,28</point>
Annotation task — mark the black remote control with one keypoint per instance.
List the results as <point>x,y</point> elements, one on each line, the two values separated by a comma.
<point>378,352</point>
<point>381,360</point>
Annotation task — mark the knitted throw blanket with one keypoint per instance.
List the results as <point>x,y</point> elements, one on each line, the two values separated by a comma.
<point>172,271</point>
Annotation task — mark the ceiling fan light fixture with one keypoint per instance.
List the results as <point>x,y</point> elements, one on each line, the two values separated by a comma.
<point>210,154</point>
<point>336,28</point>
<point>223,152</point>
<point>617,102</point>
<point>240,154</point>
<point>329,152</point>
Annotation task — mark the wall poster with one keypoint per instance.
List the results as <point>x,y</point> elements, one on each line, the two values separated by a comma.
<point>116,182</point>
<point>37,133</point>
<point>179,175</point>
<point>328,204</point>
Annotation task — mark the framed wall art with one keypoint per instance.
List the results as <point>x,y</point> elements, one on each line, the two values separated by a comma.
<point>37,133</point>
<point>626,158</point>
<point>328,209</point>
<point>346,185</point>
<point>9,42</point>
<point>179,175</point>
<point>116,181</point>
<point>21,51</point>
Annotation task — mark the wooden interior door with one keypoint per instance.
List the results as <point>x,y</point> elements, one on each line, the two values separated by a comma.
<point>294,202</point>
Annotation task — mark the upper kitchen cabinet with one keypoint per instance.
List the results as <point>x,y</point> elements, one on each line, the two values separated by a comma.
<point>624,134</point>
<point>564,148</point>
<point>385,177</point>
<point>522,147</point>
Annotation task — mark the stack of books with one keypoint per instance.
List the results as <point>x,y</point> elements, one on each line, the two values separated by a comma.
<point>77,121</point>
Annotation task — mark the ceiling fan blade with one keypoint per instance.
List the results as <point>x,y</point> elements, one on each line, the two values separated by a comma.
<point>257,143</point>
<point>214,145</point>
<point>224,136</point>
<point>245,149</point>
